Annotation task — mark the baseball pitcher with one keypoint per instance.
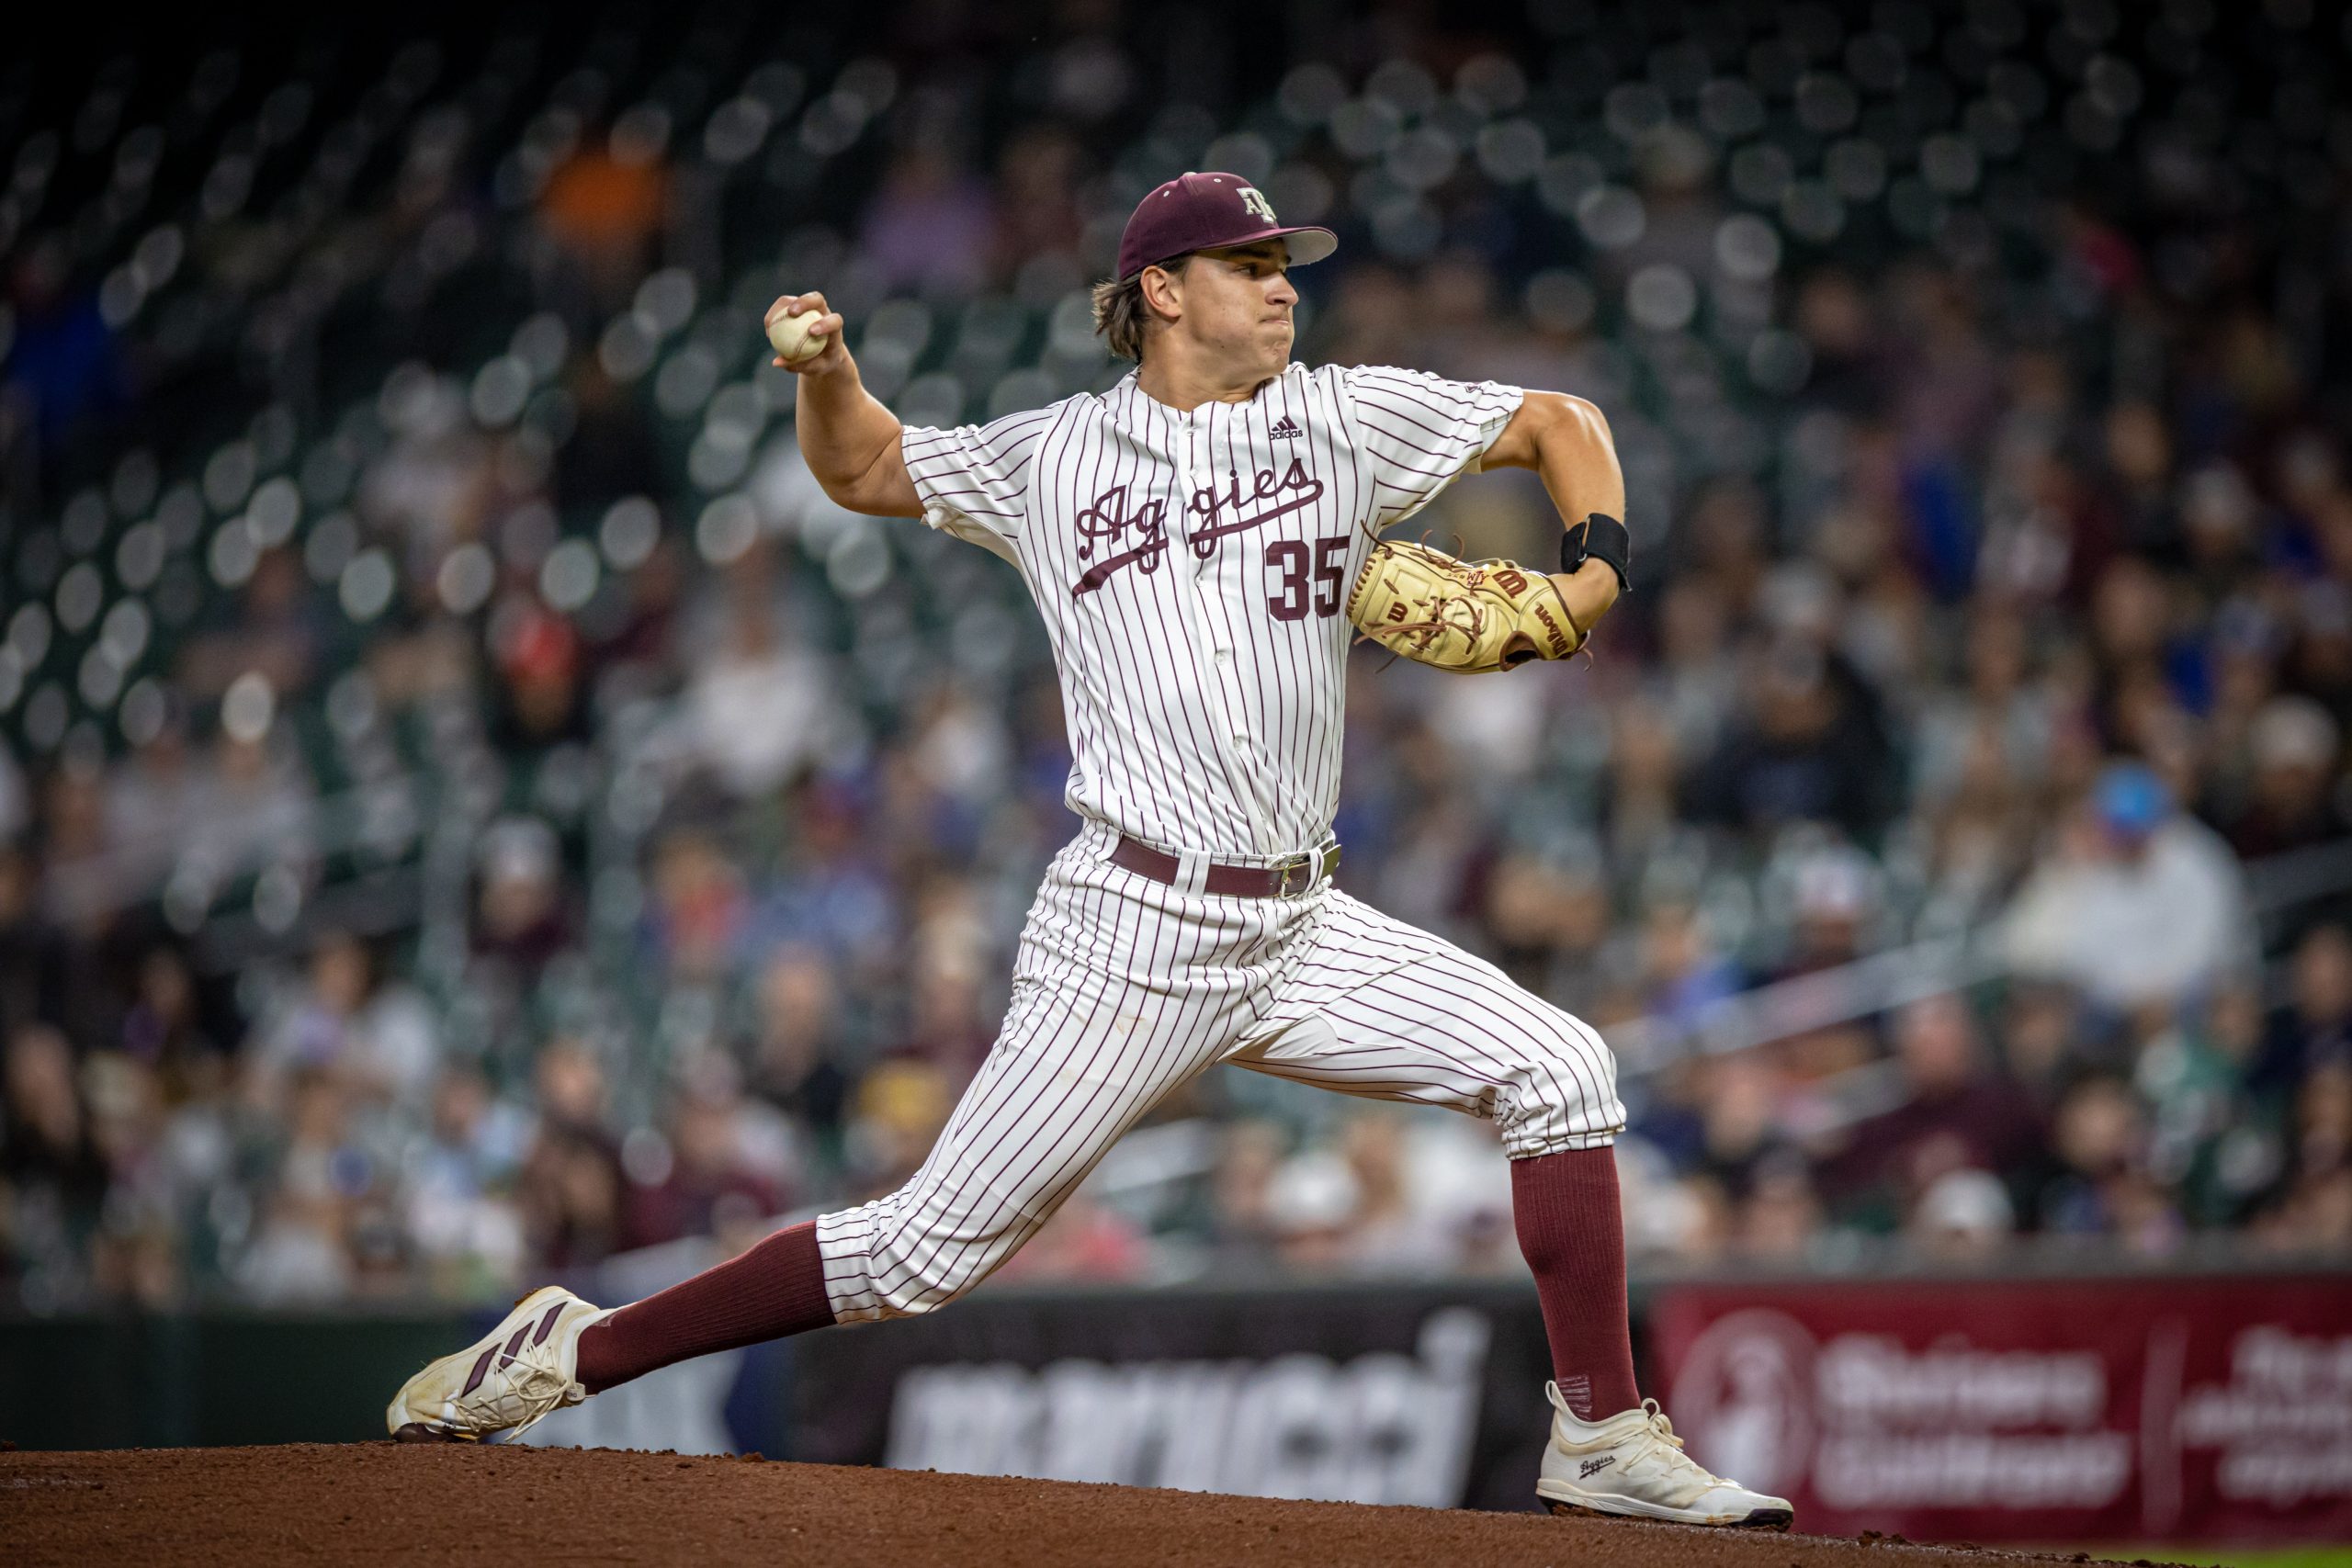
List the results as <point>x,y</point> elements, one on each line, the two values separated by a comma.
<point>1203,542</point>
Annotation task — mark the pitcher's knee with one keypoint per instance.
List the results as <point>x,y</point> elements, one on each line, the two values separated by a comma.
<point>893,1259</point>
<point>928,1272</point>
<point>1563,1095</point>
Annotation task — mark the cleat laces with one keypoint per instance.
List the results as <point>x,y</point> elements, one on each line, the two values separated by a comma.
<point>1654,1463</point>
<point>1658,1457</point>
<point>518,1392</point>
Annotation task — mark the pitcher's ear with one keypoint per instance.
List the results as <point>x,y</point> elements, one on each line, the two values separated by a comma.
<point>1160,288</point>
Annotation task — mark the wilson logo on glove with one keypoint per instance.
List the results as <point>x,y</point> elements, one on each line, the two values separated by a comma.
<point>1467,616</point>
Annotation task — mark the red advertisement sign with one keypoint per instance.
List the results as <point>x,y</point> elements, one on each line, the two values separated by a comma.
<point>2026,1410</point>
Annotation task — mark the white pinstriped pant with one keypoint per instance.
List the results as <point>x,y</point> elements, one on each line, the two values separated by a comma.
<point>1126,987</point>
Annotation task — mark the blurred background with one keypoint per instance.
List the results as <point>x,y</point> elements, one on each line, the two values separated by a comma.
<point>471,809</point>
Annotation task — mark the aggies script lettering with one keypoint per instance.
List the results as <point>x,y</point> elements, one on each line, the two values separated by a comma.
<point>1108,521</point>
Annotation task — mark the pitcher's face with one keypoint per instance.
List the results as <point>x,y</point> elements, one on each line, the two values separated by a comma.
<point>1235,305</point>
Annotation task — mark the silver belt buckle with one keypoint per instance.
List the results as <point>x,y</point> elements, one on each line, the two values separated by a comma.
<point>1303,861</point>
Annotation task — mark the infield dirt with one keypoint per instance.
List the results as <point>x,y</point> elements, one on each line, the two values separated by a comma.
<point>384,1502</point>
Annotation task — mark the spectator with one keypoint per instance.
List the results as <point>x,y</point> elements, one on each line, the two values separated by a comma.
<point>2290,801</point>
<point>542,698</point>
<point>697,910</point>
<point>1548,917</point>
<point>830,888</point>
<point>1039,224</point>
<point>931,226</point>
<point>258,797</point>
<point>276,633</point>
<point>2208,1139</point>
<point>605,205</point>
<point>1689,1217</point>
<point>303,1250</point>
<point>1682,971</point>
<point>900,1108</point>
<point>1391,1231</point>
<point>759,709</point>
<point>2312,1211</point>
<point>1741,1120</point>
<point>2314,1028</point>
<point>521,921</point>
<point>1957,1115</point>
<point>152,800</point>
<point>707,1177</point>
<point>2046,1041</point>
<point>569,1188</point>
<point>2140,905</point>
<point>1833,899</point>
<point>375,1038</point>
<point>799,1046</point>
<point>134,1256</point>
<point>1459,1194</point>
<point>53,1176</point>
<point>1781,1219</point>
<point>165,1031</point>
<point>2103,1186</point>
<point>65,359</point>
<point>32,959</point>
<point>1314,1205</point>
<point>1999,710</point>
<point>456,1200</point>
<point>1807,753</point>
<point>1240,1224</point>
<point>1963,1214</point>
<point>1642,797</point>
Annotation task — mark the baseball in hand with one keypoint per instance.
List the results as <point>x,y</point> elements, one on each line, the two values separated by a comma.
<point>790,335</point>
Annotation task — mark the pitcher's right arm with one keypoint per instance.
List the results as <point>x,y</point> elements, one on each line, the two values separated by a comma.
<point>850,441</point>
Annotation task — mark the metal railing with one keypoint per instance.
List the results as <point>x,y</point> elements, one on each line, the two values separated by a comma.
<point>1883,981</point>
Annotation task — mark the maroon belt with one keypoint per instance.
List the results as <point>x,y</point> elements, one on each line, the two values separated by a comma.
<point>1293,874</point>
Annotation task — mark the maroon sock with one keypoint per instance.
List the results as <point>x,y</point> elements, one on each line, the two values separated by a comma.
<point>775,1288</point>
<point>1565,1208</point>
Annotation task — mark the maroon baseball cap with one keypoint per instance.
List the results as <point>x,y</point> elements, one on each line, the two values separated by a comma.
<point>1204,212</point>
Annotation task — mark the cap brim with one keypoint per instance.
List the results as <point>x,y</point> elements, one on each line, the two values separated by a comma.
<point>1308,245</point>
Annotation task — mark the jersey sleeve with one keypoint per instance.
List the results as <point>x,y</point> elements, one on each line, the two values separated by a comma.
<point>1418,433</point>
<point>974,479</point>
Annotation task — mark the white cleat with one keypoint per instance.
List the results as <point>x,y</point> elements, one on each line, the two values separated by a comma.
<point>1633,1466</point>
<point>519,1374</point>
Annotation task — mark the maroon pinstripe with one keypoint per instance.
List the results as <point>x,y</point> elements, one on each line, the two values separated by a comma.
<point>1203,660</point>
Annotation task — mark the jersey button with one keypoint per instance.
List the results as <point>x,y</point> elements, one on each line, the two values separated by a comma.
<point>1223,654</point>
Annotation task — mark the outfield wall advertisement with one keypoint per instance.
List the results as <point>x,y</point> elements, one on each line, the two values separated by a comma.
<point>1375,1393</point>
<point>2024,1410</point>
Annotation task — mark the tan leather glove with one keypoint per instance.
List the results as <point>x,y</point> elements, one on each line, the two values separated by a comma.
<point>1466,616</point>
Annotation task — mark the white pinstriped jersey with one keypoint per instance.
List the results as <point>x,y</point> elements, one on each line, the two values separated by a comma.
<point>1192,567</point>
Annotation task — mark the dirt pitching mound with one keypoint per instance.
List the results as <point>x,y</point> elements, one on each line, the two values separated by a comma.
<point>309,1503</point>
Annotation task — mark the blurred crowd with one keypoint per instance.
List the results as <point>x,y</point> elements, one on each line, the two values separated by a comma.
<point>471,807</point>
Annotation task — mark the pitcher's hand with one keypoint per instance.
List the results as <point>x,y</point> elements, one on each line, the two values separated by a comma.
<point>797,317</point>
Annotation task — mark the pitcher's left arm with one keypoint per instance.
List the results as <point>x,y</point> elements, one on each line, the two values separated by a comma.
<point>1567,440</point>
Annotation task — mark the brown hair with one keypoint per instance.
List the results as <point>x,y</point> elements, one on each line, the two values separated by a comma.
<point>1120,314</point>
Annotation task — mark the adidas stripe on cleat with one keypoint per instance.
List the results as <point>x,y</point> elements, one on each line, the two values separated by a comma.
<point>522,1371</point>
